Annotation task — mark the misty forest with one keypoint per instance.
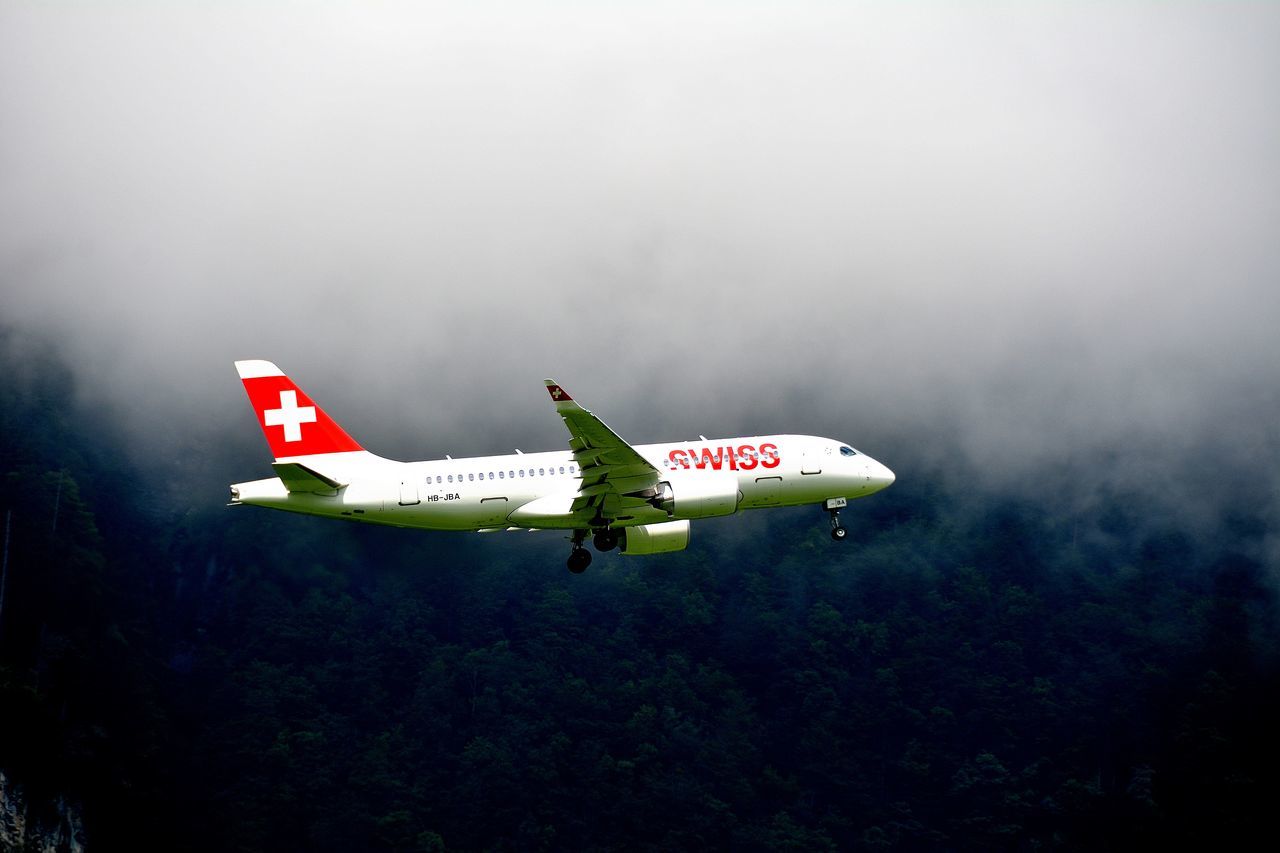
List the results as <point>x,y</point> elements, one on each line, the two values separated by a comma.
<point>970,671</point>
<point>1025,255</point>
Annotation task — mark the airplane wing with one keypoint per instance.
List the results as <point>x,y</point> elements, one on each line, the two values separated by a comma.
<point>613,473</point>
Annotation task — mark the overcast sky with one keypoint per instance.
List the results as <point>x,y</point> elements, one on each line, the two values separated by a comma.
<point>1020,231</point>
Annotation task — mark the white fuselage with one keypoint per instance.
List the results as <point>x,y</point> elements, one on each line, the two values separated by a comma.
<point>535,490</point>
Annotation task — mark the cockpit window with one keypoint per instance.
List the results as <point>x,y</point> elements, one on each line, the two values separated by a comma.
<point>848,451</point>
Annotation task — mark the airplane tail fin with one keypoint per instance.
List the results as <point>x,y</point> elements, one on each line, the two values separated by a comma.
<point>293,424</point>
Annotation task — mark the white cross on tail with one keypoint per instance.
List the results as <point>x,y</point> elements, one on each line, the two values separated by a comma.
<point>290,416</point>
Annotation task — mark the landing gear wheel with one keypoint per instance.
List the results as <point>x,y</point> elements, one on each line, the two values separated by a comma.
<point>579,559</point>
<point>605,540</point>
<point>838,532</point>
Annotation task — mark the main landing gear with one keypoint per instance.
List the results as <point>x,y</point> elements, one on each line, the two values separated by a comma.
<point>833,506</point>
<point>579,557</point>
<point>604,539</point>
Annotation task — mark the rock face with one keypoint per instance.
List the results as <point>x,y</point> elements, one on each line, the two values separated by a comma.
<point>61,831</point>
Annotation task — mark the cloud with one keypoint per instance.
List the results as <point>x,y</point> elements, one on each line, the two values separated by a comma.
<point>1015,234</point>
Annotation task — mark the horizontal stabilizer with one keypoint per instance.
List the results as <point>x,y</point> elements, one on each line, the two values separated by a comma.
<point>299,478</point>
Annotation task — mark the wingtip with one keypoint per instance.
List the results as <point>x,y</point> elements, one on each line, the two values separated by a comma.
<point>557,393</point>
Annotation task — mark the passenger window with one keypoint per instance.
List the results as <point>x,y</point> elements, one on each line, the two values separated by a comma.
<point>501,475</point>
<point>542,472</point>
<point>450,478</point>
<point>561,469</point>
<point>521,472</point>
<point>471,477</point>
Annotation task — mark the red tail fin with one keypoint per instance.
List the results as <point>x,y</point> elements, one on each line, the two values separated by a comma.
<point>293,424</point>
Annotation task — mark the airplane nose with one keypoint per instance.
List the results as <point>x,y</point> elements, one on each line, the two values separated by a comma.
<point>881,476</point>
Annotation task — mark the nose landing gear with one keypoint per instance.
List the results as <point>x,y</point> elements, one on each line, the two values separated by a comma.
<point>833,506</point>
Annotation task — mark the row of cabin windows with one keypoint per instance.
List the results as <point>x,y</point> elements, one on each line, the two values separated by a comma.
<point>503,475</point>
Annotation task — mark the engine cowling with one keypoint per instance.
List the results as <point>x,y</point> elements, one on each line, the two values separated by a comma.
<point>659,538</point>
<point>699,497</point>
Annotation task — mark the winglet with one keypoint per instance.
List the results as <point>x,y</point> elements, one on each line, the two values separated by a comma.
<point>564,403</point>
<point>557,393</point>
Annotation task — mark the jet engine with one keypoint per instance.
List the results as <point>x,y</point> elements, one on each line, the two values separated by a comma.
<point>698,497</point>
<point>655,538</point>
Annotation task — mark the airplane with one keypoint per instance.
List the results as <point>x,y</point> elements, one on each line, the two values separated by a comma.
<point>637,498</point>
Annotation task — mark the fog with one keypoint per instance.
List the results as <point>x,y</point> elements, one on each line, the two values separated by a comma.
<point>1016,239</point>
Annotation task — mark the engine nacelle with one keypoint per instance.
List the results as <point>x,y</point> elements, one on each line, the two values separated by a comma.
<point>655,538</point>
<point>698,497</point>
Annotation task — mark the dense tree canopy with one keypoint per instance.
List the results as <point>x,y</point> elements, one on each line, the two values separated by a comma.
<point>971,670</point>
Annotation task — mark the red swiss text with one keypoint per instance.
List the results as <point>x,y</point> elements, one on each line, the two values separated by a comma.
<point>745,457</point>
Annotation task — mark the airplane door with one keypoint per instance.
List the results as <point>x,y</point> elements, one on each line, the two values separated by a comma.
<point>811,461</point>
<point>494,510</point>
<point>408,492</point>
<point>767,492</point>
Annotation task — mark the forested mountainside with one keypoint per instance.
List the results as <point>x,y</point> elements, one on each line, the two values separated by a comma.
<point>971,670</point>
